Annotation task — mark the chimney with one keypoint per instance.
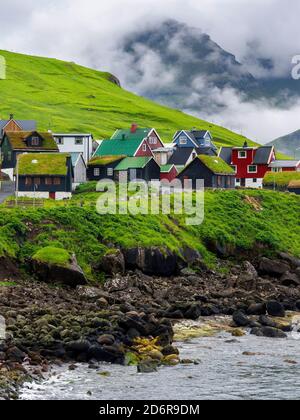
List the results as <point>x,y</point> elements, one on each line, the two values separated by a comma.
<point>11,117</point>
<point>133,129</point>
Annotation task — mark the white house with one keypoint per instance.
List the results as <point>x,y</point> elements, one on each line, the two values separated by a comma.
<point>75,143</point>
<point>79,168</point>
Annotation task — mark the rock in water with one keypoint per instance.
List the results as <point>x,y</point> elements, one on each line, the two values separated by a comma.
<point>275,308</point>
<point>147,366</point>
<point>240,319</point>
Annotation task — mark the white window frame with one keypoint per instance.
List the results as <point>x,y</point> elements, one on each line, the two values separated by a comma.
<point>110,171</point>
<point>182,140</point>
<point>252,172</point>
<point>234,167</point>
<point>144,147</point>
<point>96,171</point>
<point>35,141</point>
<point>242,152</point>
<point>152,140</point>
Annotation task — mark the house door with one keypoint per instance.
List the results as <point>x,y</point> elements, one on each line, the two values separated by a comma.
<point>52,195</point>
<point>243,182</point>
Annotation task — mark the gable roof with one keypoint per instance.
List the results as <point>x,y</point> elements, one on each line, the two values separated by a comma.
<point>119,146</point>
<point>226,154</point>
<point>104,160</point>
<point>25,125</point>
<point>75,157</point>
<point>165,169</point>
<point>196,136</point>
<point>216,165</point>
<point>263,155</point>
<point>139,134</point>
<point>133,163</point>
<point>43,164</point>
<point>17,141</point>
<point>284,164</point>
<point>181,156</point>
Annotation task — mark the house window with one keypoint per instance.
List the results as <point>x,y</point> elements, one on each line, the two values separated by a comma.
<point>254,180</point>
<point>57,181</point>
<point>59,141</point>
<point>238,181</point>
<point>9,156</point>
<point>145,147</point>
<point>79,141</point>
<point>35,141</point>
<point>242,154</point>
<point>182,140</point>
<point>219,181</point>
<point>234,167</point>
<point>37,181</point>
<point>110,171</point>
<point>28,181</point>
<point>48,181</point>
<point>96,172</point>
<point>276,170</point>
<point>252,169</point>
<point>152,140</point>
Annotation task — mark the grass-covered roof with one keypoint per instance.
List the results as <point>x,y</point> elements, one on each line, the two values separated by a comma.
<point>43,164</point>
<point>105,160</point>
<point>17,140</point>
<point>216,165</point>
<point>280,179</point>
<point>133,163</point>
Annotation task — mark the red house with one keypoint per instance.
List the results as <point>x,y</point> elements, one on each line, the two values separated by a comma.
<point>285,166</point>
<point>250,163</point>
<point>168,173</point>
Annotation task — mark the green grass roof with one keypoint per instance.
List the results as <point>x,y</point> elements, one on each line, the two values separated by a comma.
<point>43,164</point>
<point>17,141</point>
<point>216,165</point>
<point>280,179</point>
<point>104,160</point>
<point>133,163</point>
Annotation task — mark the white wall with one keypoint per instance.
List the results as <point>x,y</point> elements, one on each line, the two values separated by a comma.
<point>44,195</point>
<point>251,184</point>
<point>80,172</point>
<point>69,145</point>
<point>9,172</point>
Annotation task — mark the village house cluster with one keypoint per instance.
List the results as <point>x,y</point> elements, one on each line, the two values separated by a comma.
<point>52,165</point>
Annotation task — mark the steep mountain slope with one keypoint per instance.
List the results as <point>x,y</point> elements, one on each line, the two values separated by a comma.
<point>194,70</point>
<point>289,144</point>
<point>66,97</point>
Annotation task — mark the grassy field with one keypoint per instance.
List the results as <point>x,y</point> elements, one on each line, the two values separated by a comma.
<point>244,221</point>
<point>63,96</point>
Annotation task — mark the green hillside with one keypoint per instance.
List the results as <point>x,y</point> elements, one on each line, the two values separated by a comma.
<point>63,96</point>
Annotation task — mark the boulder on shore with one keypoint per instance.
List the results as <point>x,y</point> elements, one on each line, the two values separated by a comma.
<point>68,275</point>
<point>275,308</point>
<point>273,267</point>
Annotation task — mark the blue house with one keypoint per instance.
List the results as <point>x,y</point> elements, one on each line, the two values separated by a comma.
<point>201,140</point>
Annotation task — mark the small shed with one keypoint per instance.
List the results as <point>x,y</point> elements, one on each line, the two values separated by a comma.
<point>168,172</point>
<point>294,187</point>
<point>136,168</point>
<point>103,167</point>
<point>79,168</point>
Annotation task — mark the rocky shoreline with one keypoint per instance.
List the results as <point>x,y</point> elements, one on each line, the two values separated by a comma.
<point>130,319</point>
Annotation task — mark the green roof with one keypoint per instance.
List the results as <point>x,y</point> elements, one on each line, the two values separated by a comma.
<point>216,165</point>
<point>104,160</point>
<point>166,168</point>
<point>140,134</point>
<point>43,164</point>
<point>133,163</point>
<point>118,147</point>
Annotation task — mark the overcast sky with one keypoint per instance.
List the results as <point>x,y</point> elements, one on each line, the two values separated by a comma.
<point>88,31</point>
